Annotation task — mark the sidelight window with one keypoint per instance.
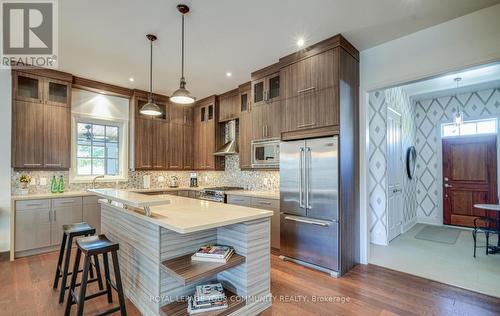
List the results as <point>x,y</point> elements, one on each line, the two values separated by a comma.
<point>474,127</point>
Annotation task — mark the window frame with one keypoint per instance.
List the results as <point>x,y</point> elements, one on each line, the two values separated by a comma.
<point>122,148</point>
<point>478,120</point>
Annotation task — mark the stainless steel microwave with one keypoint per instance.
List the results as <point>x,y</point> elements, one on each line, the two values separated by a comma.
<point>266,153</point>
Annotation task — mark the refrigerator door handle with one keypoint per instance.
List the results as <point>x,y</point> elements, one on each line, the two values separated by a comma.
<point>307,221</point>
<point>301,178</point>
<point>308,176</point>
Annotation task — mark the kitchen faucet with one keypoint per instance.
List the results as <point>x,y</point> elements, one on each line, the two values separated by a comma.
<point>95,179</point>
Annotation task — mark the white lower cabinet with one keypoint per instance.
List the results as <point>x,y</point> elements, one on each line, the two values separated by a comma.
<point>32,229</point>
<point>38,223</point>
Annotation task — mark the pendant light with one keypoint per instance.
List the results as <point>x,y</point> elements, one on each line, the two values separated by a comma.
<point>151,108</point>
<point>459,116</point>
<point>182,95</point>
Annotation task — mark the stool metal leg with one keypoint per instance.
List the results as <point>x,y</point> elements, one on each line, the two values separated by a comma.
<point>65,270</point>
<point>59,261</point>
<point>98,271</point>
<point>107,277</point>
<point>118,283</point>
<point>83,286</point>
<point>76,266</point>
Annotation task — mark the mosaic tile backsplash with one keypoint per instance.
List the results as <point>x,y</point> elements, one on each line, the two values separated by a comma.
<point>232,176</point>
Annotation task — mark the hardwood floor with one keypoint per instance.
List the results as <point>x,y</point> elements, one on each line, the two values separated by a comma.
<point>26,289</point>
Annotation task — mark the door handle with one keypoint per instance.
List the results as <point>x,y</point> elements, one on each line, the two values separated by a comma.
<point>306,221</point>
<point>301,177</point>
<point>308,173</point>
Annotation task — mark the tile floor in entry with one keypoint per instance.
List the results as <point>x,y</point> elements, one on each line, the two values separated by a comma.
<point>450,264</point>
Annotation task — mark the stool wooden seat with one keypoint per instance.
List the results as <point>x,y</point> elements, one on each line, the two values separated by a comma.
<point>92,247</point>
<point>70,232</point>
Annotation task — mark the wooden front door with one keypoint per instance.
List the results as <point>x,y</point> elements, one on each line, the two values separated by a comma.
<point>469,177</point>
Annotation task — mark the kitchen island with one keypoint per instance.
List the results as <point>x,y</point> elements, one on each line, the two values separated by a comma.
<point>155,250</point>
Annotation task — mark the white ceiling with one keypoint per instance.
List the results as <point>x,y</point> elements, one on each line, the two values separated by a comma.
<point>474,79</point>
<point>105,40</point>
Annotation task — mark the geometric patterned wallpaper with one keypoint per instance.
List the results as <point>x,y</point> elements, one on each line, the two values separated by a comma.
<point>379,101</point>
<point>429,115</point>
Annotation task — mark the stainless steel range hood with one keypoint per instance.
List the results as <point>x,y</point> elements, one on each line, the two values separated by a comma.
<point>231,145</point>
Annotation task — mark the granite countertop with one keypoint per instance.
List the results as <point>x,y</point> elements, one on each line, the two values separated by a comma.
<point>275,195</point>
<point>185,215</point>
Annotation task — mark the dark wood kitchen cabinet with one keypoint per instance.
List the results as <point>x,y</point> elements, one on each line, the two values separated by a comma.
<point>180,149</point>
<point>41,119</point>
<point>245,126</point>
<point>207,135</point>
<point>313,88</point>
<point>266,121</point>
<point>229,105</point>
<point>151,134</point>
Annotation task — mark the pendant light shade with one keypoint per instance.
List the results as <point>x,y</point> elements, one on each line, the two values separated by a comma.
<point>151,108</point>
<point>182,95</point>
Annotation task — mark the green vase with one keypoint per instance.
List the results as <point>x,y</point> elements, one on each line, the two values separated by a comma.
<point>53,185</point>
<point>61,184</point>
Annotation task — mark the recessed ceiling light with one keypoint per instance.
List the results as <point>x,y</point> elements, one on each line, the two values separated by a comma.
<point>228,74</point>
<point>300,42</point>
<point>131,79</point>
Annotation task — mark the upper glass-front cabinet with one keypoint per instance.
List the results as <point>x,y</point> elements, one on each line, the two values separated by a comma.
<point>28,87</point>
<point>266,90</point>
<point>37,89</point>
<point>57,92</point>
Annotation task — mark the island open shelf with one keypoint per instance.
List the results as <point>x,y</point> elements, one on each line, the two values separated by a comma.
<point>187,271</point>
<point>179,308</point>
<point>155,252</point>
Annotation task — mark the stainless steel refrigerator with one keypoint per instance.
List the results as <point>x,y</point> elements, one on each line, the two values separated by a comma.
<point>309,199</point>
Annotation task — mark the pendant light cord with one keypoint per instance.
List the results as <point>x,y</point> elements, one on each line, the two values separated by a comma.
<point>151,71</point>
<point>182,62</point>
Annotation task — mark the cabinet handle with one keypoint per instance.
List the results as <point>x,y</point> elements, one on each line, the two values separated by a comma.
<point>50,216</point>
<point>306,90</point>
<point>306,125</point>
<point>67,202</point>
<point>55,216</point>
<point>34,204</point>
<point>31,164</point>
<point>264,203</point>
<point>305,221</point>
<point>53,164</point>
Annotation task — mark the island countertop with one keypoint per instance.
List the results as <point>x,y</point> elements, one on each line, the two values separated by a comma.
<point>185,215</point>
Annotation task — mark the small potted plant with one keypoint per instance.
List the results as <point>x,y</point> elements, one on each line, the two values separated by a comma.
<point>25,181</point>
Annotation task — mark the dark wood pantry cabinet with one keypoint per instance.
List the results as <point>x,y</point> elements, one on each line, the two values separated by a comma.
<point>208,134</point>
<point>245,126</point>
<point>180,149</point>
<point>41,119</point>
<point>151,134</point>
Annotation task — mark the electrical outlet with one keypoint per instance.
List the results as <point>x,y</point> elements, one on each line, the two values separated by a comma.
<point>161,179</point>
<point>43,181</point>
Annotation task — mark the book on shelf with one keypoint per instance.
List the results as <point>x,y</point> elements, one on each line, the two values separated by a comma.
<point>213,251</point>
<point>207,292</point>
<point>216,259</point>
<point>216,305</point>
<point>207,297</point>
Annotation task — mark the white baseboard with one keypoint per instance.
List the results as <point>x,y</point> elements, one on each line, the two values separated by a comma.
<point>406,227</point>
<point>430,220</point>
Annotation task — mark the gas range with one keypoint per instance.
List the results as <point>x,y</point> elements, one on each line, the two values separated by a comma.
<point>216,194</point>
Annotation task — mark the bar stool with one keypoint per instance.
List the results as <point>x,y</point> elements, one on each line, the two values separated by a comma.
<point>70,232</point>
<point>91,247</point>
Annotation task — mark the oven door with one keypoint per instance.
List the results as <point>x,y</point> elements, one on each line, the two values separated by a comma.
<point>265,153</point>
